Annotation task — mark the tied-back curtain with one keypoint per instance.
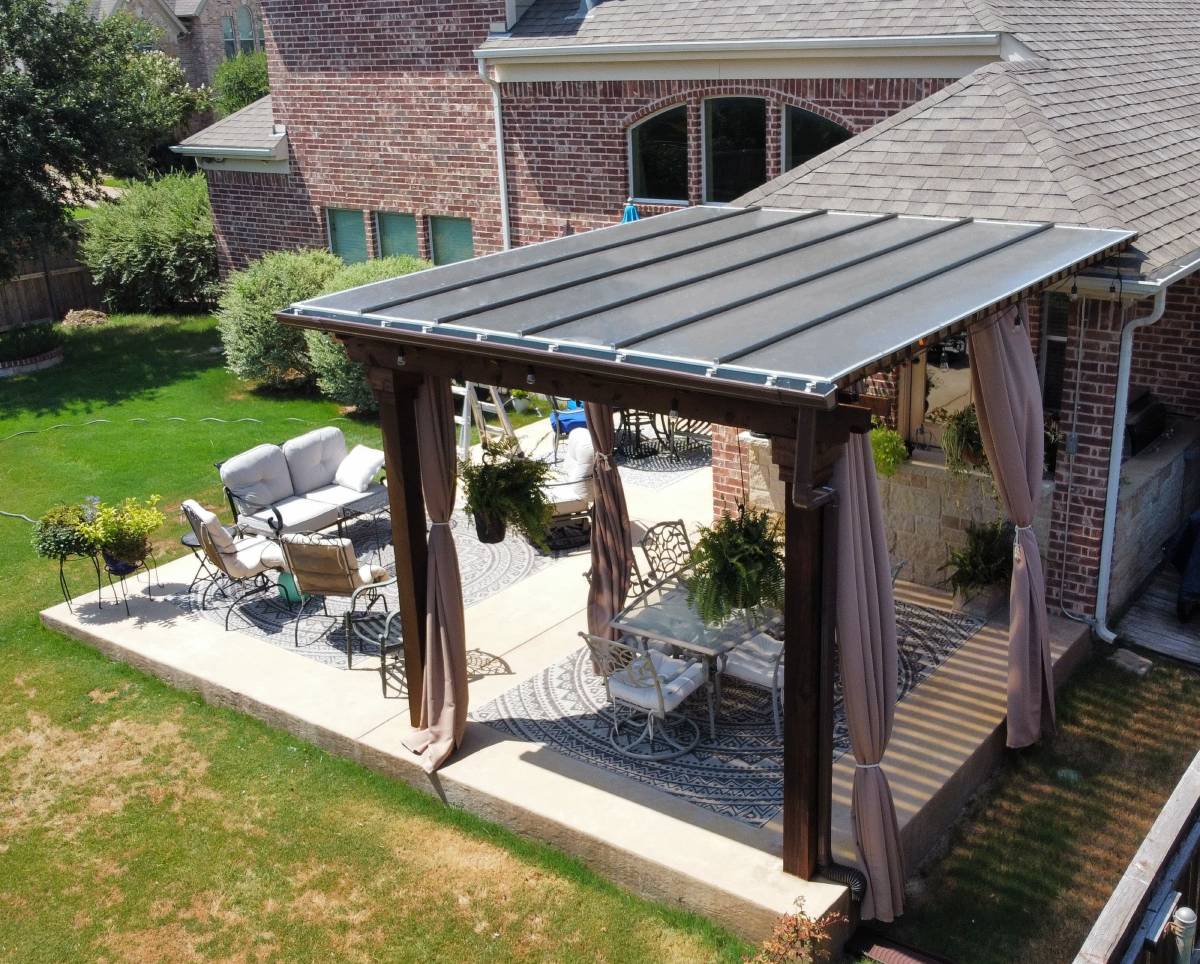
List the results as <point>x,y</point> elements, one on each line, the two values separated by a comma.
<point>444,693</point>
<point>612,547</point>
<point>866,631</point>
<point>1008,401</point>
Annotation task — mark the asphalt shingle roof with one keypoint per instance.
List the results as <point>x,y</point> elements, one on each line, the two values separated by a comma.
<point>252,127</point>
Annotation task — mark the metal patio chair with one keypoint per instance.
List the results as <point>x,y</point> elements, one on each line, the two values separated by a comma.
<point>759,662</point>
<point>667,548</point>
<point>646,689</point>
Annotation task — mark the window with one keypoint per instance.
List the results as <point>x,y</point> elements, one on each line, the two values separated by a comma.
<point>805,135</point>
<point>228,35</point>
<point>258,32</point>
<point>397,234</point>
<point>735,147</point>
<point>347,234</point>
<point>451,239</point>
<point>1056,310</point>
<point>245,29</point>
<point>658,153</point>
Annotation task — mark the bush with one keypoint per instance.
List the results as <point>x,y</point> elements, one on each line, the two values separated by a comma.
<point>20,343</point>
<point>239,82</point>
<point>123,531</point>
<point>153,249</point>
<point>985,561</point>
<point>59,533</point>
<point>257,347</point>
<point>887,445</point>
<point>338,377</point>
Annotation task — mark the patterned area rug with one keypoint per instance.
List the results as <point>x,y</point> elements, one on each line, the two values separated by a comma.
<point>658,469</point>
<point>739,774</point>
<point>486,569</point>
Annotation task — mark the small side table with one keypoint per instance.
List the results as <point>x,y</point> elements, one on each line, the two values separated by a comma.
<point>382,630</point>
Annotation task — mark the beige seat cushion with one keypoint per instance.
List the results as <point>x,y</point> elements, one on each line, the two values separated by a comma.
<point>754,661</point>
<point>678,679</point>
<point>298,514</point>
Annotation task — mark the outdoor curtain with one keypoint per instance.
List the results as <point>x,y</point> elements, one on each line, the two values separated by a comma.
<point>1008,401</point>
<point>444,693</point>
<point>866,631</point>
<point>612,547</point>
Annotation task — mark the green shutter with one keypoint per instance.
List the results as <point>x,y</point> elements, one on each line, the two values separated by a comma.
<point>347,235</point>
<point>451,239</point>
<point>397,234</point>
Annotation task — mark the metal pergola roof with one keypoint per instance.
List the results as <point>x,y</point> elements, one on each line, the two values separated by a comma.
<point>799,302</point>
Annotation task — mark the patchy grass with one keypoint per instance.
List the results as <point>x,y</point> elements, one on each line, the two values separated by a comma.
<point>138,823</point>
<point>1029,870</point>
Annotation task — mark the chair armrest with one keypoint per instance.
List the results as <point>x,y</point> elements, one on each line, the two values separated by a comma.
<point>372,589</point>
<point>241,503</point>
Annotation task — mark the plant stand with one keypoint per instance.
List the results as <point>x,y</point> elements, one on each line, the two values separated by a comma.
<point>66,589</point>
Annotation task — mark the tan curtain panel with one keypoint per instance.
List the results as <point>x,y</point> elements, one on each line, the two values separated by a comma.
<point>1008,400</point>
<point>866,631</point>
<point>612,547</point>
<point>444,694</point>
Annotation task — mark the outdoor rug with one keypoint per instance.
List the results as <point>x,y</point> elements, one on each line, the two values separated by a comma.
<point>485,569</point>
<point>657,468</point>
<point>739,774</point>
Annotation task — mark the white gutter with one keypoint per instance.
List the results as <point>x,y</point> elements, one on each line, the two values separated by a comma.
<point>501,163</point>
<point>201,150</point>
<point>1117,447</point>
<point>798,45</point>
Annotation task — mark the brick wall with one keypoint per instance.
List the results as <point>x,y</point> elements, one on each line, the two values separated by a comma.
<point>258,213</point>
<point>202,49</point>
<point>1166,355</point>
<point>567,148</point>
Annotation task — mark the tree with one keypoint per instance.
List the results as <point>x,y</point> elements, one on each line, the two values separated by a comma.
<point>239,82</point>
<point>166,102</point>
<point>74,106</point>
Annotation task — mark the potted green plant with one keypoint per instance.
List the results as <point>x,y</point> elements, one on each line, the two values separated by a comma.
<point>962,442</point>
<point>980,571</point>
<point>505,488</point>
<point>59,533</point>
<point>888,447</point>
<point>736,567</point>
<point>520,400</point>
<point>122,532</point>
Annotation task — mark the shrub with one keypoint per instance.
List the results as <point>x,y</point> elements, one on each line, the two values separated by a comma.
<point>123,531</point>
<point>985,561</point>
<point>798,939</point>
<point>257,347</point>
<point>60,531</point>
<point>27,341</point>
<point>239,82</point>
<point>887,445</point>
<point>153,249</point>
<point>338,377</point>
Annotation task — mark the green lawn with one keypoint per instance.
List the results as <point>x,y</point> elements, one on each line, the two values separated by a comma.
<point>1030,868</point>
<point>138,823</point>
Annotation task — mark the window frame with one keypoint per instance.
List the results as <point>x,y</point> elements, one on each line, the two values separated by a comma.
<point>704,151</point>
<point>1044,339</point>
<point>629,165</point>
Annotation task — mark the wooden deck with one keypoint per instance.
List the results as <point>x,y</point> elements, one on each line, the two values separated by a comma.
<point>1151,622</point>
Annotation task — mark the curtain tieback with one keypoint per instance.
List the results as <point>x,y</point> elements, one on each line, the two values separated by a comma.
<point>868,766</point>
<point>602,462</point>
<point>1028,528</point>
<point>432,524</point>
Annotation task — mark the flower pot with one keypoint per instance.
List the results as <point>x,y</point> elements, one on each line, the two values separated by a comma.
<point>120,567</point>
<point>520,404</point>
<point>490,531</point>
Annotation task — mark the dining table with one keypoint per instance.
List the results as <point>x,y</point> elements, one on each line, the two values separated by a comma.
<point>663,614</point>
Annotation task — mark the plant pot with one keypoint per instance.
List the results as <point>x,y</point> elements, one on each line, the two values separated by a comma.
<point>983,603</point>
<point>520,404</point>
<point>120,567</point>
<point>490,531</point>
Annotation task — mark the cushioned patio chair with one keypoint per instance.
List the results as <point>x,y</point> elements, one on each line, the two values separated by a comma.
<point>308,484</point>
<point>323,566</point>
<point>646,689</point>
<point>759,662</point>
<point>570,492</point>
<point>243,561</point>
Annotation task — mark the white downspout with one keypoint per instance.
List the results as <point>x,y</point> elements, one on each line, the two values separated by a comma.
<point>501,163</point>
<point>1115,455</point>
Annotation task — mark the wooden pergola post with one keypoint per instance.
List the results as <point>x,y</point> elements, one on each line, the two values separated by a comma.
<point>397,395</point>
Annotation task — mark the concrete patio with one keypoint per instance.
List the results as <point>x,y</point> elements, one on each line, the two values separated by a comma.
<point>948,733</point>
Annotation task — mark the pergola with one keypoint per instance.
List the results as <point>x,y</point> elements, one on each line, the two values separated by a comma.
<point>761,319</point>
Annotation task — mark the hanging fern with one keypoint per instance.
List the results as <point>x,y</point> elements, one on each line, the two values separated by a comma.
<point>736,566</point>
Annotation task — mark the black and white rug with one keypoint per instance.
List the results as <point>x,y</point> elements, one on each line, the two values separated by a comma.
<point>739,774</point>
<point>659,469</point>
<point>485,570</point>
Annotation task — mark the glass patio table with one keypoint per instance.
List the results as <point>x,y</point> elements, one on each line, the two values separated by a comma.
<point>662,613</point>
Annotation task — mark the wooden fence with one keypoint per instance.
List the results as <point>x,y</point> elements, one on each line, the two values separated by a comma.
<point>46,289</point>
<point>1136,925</point>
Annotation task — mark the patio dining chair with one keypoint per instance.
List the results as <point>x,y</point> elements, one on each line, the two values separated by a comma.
<point>322,566</point>
<point>759,662</point>
<point>239,562</point>
<point>667,548</point>
<point>646,689</point>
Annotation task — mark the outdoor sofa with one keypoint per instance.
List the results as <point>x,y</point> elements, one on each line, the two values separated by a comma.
<point>307,484</point>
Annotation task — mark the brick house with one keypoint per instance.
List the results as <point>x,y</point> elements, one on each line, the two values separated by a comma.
<point>381,136</point>
<point>201,33</point>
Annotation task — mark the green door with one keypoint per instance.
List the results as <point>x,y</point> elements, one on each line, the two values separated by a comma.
<point>452,239</point>
<point>347,235</point>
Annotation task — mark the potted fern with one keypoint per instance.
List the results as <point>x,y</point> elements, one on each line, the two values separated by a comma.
<point>962,442</point>
<point>505,488</point>
<point>980,571</point>
<point>737,567</point>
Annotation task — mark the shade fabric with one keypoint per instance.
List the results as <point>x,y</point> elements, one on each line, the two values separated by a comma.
<point>1008,400</point>
<point>866,629</point>
<point>444,692</point>
<point>612,546</point>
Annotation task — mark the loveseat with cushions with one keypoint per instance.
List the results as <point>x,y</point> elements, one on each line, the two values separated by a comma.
<point>305,485</point>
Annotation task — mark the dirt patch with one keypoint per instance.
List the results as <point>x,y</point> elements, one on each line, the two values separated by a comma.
<point>59,779</point>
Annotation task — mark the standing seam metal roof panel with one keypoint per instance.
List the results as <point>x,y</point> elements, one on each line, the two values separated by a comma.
<point>802,301</point>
